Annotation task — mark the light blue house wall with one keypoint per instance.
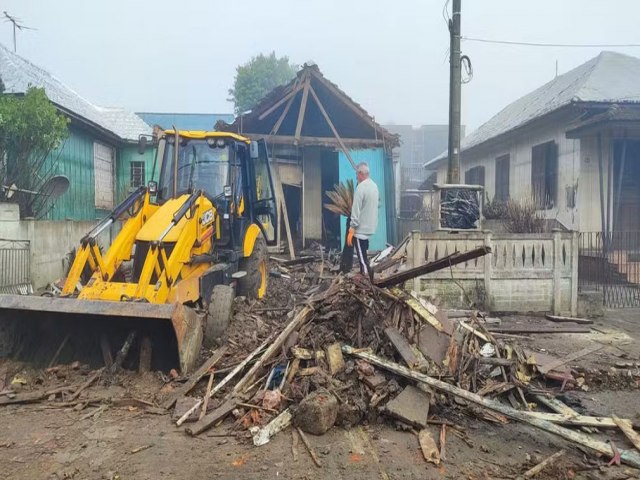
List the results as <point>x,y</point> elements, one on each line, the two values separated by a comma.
<point>379,172</point>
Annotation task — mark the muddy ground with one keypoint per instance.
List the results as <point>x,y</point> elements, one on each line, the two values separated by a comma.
<point>129,442</point>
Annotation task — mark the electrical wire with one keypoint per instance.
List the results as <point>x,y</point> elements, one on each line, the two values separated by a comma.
<point>468,68</point>
<point>445,13</point>
<point>562,45</point>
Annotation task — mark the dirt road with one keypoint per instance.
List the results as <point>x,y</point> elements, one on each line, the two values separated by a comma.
<point>125,442</point>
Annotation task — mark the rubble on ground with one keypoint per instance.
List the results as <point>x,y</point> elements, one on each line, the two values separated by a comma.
<point>338,350</point>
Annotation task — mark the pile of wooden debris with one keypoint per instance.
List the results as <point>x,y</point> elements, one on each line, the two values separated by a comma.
<point>359,351</point>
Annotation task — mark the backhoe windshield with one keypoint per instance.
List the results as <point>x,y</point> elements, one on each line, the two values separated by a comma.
<point>202,165</point>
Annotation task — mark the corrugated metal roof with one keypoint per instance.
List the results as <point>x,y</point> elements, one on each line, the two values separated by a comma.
<point>610,77</point>
<point>185,121</point>
<point>18,74</point>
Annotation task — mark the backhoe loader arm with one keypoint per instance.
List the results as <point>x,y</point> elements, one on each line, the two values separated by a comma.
<point>156,260</point>
<point>120,250</point>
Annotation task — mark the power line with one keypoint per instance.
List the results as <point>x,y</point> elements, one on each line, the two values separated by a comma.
<point>563,45</point>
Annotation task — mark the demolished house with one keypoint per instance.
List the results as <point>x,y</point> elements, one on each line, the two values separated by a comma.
<point>317,135</point>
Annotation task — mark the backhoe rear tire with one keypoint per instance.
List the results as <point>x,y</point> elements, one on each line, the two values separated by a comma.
<point>254,283</point>
<point>219,315</point>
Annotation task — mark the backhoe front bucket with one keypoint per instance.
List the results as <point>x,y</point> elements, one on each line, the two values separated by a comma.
<point>33,327</point>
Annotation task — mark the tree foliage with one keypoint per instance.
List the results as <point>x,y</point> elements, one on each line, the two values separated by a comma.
<point>257,78</point>
<point>30,128</point>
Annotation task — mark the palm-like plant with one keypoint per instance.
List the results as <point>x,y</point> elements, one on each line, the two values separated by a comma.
<point>341,198</point>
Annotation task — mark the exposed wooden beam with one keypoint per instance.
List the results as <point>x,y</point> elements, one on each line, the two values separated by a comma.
<point>282,207</point>
<point>283,115</point>
<point>275,106</point>
<point>317,141</point>
<point>333,129</point>
<point>347,102</point>
<point>303,106</point>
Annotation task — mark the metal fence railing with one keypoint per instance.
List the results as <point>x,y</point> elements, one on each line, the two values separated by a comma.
<point>610,263</point>
<point>15,267</point>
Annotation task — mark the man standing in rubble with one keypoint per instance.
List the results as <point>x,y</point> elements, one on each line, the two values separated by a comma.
<point>364,217</point>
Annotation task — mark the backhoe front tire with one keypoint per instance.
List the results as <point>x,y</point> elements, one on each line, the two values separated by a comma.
<point>254,283</point>
<point>219,315</point>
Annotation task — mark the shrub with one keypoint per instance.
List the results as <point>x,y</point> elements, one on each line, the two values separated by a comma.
<point>523,217</point>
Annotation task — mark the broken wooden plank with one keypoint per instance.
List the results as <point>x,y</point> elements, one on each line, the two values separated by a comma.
<point>545,368</point>
<point>183,405</point>
<point>299,260</point>
<point>560,319</point>
<point>310,449</point>
<point>537,329</point>
<point>122,353</point>
<point>207,396</point>
<point>105,346</point>
<point>54,359</point>
<point>475,331</point>
<point>443,442</point>
<point>305,372</point>
<point>195,378</point>
<point>446,262</point>
<point>627,428</point>
<point>227,379</point>
<point>302,353</point>
<point>86,384</point>
<point>628,456</point>
<point>542,465</point>
<point>274,348</point>
<point>428,447</point>
<point>576,420</point>
<point>404,349</point>
<point>555,405</point>
<point>334,358</point>
<point>144,364</point>
<point>276,425</point>
<point>212,418</point>
<point>417,307</point>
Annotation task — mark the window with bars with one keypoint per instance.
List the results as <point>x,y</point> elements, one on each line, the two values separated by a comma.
<point>502,178</point>
<point>137,174</point>
<point>544,175</point>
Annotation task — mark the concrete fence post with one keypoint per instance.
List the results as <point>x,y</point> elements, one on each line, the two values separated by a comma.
<point>415,258</point>
<point>488,271</point>
<point>557,266</point>
<point>575,256</point>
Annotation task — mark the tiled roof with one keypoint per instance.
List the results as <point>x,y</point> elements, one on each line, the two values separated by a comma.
<point>18,74</point>
<point>608,78</point>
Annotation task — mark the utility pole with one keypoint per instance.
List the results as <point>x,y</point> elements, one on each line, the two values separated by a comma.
<point>453,172</point>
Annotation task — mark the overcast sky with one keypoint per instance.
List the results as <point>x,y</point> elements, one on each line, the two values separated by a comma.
<point>391,57</point>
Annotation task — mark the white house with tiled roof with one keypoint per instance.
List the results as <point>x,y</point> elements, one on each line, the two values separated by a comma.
<point>573,145</point>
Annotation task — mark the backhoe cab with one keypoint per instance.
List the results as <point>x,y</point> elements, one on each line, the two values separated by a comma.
<point>189,243</point>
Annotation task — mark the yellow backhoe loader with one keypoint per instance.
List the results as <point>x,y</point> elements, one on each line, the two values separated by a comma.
<point>187,245</point>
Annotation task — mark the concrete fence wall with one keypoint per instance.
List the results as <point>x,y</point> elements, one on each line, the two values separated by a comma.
<point>50,241</point>
<point>524,272</point>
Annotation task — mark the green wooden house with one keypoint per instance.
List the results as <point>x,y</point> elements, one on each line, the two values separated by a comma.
<point>99,157</point>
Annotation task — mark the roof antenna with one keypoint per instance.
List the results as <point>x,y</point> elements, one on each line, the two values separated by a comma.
<point>556,68</point>
<point>17,23</point>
